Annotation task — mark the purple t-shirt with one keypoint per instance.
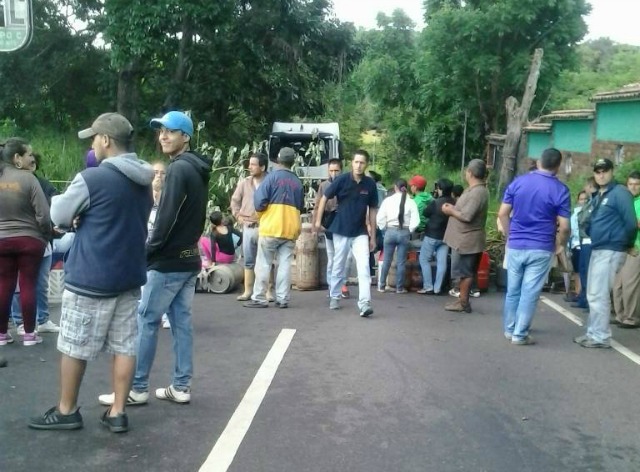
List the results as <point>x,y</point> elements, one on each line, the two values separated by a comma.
<point>537,199</point>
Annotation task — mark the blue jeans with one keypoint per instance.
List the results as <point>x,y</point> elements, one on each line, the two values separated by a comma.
<point>527,271</point>
<point>170,293</point>
<point>583,270</point>
<point>441,250</point>
<point>249,246</point>
<point>394,238</point>
<point>603,267</point>
<point>42,296</point>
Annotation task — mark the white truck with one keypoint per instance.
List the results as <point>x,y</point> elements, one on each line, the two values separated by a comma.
<point>315,143</point>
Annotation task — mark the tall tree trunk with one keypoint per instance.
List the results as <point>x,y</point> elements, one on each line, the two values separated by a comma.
<point>517,117</point>
<point>180,74</point>
<point>128,93</point>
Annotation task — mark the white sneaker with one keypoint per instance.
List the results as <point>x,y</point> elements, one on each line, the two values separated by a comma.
<point>170,393</point>
<point>454,292</point>
<point>134,398</point>
<point>6,339</point>
<point>31,339</point>
<point>165,322</point>
<point>48,327</point>
<point>20,330</point>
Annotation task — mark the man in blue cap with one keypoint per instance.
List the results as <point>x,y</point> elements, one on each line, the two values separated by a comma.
<point>173,261</point>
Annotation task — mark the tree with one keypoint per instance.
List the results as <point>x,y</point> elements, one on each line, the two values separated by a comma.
<point>475,54</point>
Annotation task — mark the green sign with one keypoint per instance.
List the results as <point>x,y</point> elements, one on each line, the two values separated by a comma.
<point>15,24</point>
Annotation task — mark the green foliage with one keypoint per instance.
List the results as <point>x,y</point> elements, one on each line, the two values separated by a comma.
<point>603,66</point>
<point>476,54</point>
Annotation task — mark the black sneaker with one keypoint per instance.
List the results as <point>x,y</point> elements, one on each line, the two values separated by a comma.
<point>53,419</point>
<point>116,424</point>
<point>282,304</point>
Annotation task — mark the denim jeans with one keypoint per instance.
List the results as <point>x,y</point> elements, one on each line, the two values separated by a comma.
<point>441,250</point>
<point>42,296</point>
<point>359,246</point>
<point>170,293</point>
<point>583,270</point>
<point>527,271</point>
<point>603,267</point>
<point>394,238</point>
<point>270,250</point>
<point>249,246</point>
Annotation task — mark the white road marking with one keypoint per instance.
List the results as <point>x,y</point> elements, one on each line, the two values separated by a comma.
<point>224,451</point>
<point>625,351</point>
<point>563,311</point>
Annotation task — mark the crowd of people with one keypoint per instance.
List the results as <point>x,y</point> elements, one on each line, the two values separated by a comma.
<point>354,216</point>
<point>157,212</point>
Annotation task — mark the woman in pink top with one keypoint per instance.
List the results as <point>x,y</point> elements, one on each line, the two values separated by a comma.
<point>219,247</point>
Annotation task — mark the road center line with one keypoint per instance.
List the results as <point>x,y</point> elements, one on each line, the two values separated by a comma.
<point>625,351</point>
<point>225,449</point>
<point>563,311</point>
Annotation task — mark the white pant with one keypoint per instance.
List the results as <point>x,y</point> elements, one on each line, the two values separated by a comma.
<point>330,256</point>
<point>360,249</point>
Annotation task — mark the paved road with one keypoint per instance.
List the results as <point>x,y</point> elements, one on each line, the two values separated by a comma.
<point>413,388</point>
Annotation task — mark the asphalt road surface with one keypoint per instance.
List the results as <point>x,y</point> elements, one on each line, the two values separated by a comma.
<point>413,388</point>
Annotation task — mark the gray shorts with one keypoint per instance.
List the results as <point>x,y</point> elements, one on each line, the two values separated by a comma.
<point>464,266</point>
<point>91,325</point>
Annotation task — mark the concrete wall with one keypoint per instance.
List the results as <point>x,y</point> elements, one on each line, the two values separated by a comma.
<point>618,121</point>
<point>536,143</point>
<point>613,149</point>
<point>573,135</point>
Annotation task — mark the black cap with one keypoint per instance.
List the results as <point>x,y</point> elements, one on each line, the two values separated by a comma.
<point>602,164</point>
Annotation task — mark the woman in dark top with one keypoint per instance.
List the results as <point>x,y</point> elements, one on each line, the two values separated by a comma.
<point>25,228</point>
<point>433,239</point>
<point>219,247</point>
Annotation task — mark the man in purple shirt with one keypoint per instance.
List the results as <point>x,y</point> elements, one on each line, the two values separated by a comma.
<point>534,214</point>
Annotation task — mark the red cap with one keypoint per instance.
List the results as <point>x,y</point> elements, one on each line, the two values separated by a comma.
<point>418,181</point>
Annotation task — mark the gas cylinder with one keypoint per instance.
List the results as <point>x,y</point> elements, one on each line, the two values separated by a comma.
<point>482,278</point>
<point>306,255</point>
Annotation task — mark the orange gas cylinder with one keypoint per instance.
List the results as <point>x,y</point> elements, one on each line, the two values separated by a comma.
<point>482,278</point>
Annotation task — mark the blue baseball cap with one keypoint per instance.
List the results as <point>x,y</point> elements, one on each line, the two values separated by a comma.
<point>175,120</point>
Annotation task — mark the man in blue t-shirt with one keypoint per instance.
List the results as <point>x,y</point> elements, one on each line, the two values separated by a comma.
<point>534,215</point>
<point>353,228</point>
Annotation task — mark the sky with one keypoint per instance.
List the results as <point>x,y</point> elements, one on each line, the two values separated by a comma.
<point>616,19</point>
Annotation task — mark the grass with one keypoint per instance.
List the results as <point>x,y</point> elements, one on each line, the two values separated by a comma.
<point>62,155</point>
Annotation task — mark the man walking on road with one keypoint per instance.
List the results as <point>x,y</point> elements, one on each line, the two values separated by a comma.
<point>626,291</point>
<point>534,217</point>
<point>465,233</point>
<point>612,229</point>
<point>109,206</point>
<point>353,228</point>
<point>279,201</point>
<point>244,212</point>
<point>173,262</point>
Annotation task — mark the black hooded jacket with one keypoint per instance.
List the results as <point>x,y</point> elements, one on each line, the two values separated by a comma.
<point>173,244</point>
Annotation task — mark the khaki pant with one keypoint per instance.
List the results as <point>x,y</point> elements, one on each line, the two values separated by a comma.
<point>626,292</point>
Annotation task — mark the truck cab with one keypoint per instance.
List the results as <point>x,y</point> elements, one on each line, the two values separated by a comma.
<point>315,143</point>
